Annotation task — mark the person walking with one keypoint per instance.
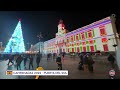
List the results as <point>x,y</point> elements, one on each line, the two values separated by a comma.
<point>18,61</point>
<point>81,61</point>
<point>111,59</point>
<point>58,61</point>
<point>25,60</point>
<point>31,62</point>
<point>38,59</point>
<point>90,63</point>
<point>10,60</point>
<point>85,63</point>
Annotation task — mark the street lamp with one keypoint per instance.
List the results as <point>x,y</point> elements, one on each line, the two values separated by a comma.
<point>39,36</point>
<point>116,37</point>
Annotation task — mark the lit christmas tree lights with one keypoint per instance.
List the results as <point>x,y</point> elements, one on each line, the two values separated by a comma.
<point>16,42</point>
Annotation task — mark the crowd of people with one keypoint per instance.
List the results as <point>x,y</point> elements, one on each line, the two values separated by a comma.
<point>16,59</point>
<point>86,61</point>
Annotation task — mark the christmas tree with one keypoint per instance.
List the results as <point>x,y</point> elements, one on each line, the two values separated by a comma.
<point>16,42</point>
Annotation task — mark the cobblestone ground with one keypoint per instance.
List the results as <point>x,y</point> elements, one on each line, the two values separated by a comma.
<point>101,69</point>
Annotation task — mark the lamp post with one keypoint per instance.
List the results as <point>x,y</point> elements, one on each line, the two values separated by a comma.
<point>116,38</point>
<point>39,36</point>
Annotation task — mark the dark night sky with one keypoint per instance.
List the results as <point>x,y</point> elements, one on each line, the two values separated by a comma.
<point>45,22</point>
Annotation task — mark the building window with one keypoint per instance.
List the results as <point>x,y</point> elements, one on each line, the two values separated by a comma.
<point>71,38</point>
<point>77,44</point>
<point>90,34</point>
<point>78,49</point>
<point>104,40</point>
<point>67,39</point>
<point>77,38</point>
<point>68,50</point>
<point>102,31</point>
<point>72,49</point>
<point>105,46</point>
<point>83,36</point>
<point>72,44</point>
<point>91,41</point>
<point>84,49</point>
<point>92,48</point>
<point>83,43</point>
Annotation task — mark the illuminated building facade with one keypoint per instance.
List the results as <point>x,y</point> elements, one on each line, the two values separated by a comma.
<point>99,35</point>
<point>36,47</point>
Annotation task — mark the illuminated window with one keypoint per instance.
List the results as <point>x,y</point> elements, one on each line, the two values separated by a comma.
<point>104,40</point>
<point>77,44</point>
<point>67,39</point>
<point>71,38</point>
<point>92,48</point>
<point>102,31</point>
<point>105,47</point>
<point>84,49</point>
<point>83,43</point>
<point>72,49</point>
<point>72,44</point>
<point>91,41</point>
<point>68,50</point>
<point>90,34</point>
<point>83,36</point>
<point>78,49</point>
<point>77,38</point>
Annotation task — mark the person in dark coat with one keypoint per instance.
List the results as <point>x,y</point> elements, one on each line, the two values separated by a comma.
<point>38,59</point>
<point>54,55</point>
<point>18,61</point>
<point>90,63</point>
<point>31,62</point>
<point>10,60</point>
<point>85,62</point>
<point>81,61</point>
<point>25,60</point>
<point>58,61</point>
<point>111,59</point>
<point>48,55</point>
